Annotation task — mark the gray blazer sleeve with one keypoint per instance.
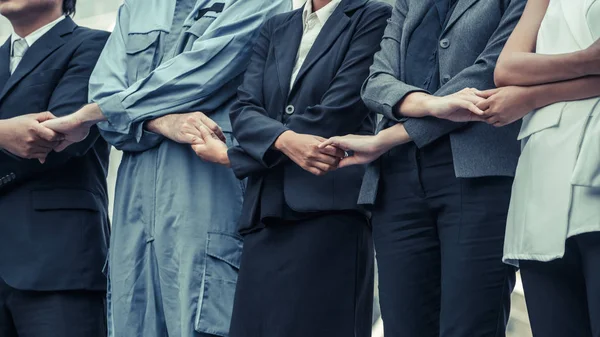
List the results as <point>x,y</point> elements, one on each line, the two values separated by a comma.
<point>480,75</point>
<point>383,89</point>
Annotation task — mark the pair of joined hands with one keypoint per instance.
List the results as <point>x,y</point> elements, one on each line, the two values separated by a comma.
<point>29,136</point>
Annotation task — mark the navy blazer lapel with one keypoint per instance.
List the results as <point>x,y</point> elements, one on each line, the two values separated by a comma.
<point>4,63</point>
<point>461,7</point>
<point>43,47</point>
<point>286,42</point>
<point>334,26</point>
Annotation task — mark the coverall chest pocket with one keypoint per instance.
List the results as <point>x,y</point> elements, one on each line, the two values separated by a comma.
<point>199,22</point>
<point>141,51</point>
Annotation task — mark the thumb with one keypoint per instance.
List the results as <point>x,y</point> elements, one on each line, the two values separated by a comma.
<point>206,133</point>
<point>44,116</point>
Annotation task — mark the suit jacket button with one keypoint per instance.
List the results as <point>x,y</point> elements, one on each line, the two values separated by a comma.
<point>444,43</point>
<point>12,175</point>
<point>290,109</point>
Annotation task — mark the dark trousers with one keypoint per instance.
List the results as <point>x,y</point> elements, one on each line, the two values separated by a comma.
<point>439,243</point>
<point>310,278</point>
<point>563,296</point>
<point>51,314</point>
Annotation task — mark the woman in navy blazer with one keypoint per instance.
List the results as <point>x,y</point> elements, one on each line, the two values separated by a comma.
<point>307,263</point>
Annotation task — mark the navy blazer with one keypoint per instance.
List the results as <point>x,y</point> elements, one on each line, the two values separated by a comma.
<point>324,101</point>
<point>53,216</point>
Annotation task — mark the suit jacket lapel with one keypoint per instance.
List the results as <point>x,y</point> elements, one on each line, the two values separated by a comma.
<point>286,42</point>
<point>4,63</point>
<point>40,50</point>
<point>334,26</point>
<point>417,12</point>
<point>461,7</point>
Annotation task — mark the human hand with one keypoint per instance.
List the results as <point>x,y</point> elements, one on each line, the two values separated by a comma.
<point>73,129</point>
<point>366,148</point>
<point>184,128</point>
<point>210,148</point>
<point>304,150</point>
<point>27,137</point>
<point>458,107</point>
<point>506,105</point>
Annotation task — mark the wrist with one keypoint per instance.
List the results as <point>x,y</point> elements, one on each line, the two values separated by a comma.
<point>89,115</point>
<point>416,104</point>
<point>281,141</point>
<point>153,126</point>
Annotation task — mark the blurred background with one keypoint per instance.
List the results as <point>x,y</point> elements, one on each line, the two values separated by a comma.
<point>102,15</point>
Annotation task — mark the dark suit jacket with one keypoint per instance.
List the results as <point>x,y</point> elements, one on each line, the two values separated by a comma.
<point>324,101</point>
<point>469,47</point>
<point>53,217</point>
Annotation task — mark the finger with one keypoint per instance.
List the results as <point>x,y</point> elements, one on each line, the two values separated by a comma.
<point>337,142</point>
<point>472,108</point>
<point>323,167</point>
<point>315,171</point>
<point>498,124</point>
<point>333,141</point>
<point>208,134</point>
<point>326,159</point>
<point>192,138</point>
<point>349,161</point>
<point>484,105</point>
<point>333,151</point>
<point>486,93</point>
<point>44,116</point>
<point>47,134</point>
<point>214,127</point>
<point>62,146</point>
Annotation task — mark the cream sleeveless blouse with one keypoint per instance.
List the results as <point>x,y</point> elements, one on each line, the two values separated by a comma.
<point>556,193</point>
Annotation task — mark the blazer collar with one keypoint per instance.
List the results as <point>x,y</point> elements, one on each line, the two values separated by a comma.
<point>288,36</point>
<point>40,50</point>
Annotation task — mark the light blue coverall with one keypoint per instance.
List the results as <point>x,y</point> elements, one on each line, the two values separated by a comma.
<point>174,250</point>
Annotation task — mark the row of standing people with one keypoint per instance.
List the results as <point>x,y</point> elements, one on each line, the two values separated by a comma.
<point>291,168</point>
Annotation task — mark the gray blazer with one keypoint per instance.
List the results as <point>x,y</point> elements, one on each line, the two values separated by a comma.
<point>468,50</point>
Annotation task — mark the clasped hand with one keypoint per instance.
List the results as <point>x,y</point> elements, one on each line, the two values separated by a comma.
<point>27,137</point>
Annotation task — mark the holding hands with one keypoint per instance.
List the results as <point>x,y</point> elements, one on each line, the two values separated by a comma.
<point>27,137</point>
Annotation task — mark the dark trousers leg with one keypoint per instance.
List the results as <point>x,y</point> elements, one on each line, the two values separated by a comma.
<point>563,295</point>
<point>439,244</point>
<point>55,314</point>
<point>476,285</point>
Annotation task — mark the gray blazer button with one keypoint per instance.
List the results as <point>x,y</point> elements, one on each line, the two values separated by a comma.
<point>290,109</point>
<point>12,175</point>
<point>444,43</point>
<point>446,79</point>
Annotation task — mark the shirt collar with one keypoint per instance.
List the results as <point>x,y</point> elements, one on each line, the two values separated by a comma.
<point>323,14</point>
<point>36,35</point>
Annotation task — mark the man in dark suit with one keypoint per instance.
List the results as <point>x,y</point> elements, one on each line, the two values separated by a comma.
<point>53,223</point>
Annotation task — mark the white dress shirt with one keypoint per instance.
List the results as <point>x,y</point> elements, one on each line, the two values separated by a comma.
<point>312,22</point>
<point>22,44</point>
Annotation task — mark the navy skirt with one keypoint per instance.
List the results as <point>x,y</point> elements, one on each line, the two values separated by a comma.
<point>312,277</point>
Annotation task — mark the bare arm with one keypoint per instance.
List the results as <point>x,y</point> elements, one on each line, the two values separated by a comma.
<point>518,63</point>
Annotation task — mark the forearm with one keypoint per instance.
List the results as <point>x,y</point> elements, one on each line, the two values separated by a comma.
<point>577,89</point>
<point>392,137</point>
<point>520,68</point>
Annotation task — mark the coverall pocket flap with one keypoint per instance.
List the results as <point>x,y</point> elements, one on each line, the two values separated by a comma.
<point>215,304</point>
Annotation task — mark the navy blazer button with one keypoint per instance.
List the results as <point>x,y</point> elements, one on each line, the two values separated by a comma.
<point>289,109</point>
<point>445,43</point>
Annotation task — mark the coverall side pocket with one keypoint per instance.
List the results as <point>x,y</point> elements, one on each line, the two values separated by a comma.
<point>215,304</point>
